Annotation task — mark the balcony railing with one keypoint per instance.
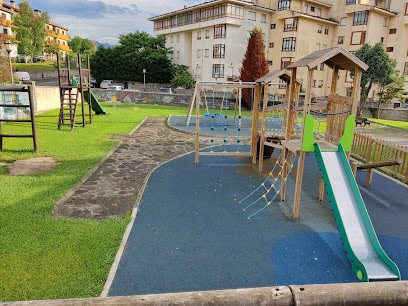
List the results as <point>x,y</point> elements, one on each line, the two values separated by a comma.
<point>60,36</point>
<point>6,22</point>
<point>64,48</point>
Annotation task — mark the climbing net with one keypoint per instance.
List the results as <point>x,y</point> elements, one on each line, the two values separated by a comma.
<point>272,186</point>
<point>276,123</point>
<point>224,129</point>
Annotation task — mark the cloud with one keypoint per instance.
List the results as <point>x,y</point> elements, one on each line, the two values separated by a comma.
<point>105,20</point>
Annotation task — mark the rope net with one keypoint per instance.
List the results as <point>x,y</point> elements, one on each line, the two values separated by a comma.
<point>272,186</point>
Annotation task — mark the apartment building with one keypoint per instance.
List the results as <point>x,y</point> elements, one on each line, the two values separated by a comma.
<point>211,38</point>
<point>56,33</point>
<point>295,29</point>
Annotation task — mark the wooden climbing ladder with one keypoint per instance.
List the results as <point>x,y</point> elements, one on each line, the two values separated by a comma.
<point>69,103</point>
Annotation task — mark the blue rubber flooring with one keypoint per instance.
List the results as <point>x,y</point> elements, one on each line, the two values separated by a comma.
<point>191,233</point>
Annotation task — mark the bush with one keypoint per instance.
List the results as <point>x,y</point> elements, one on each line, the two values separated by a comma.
<point>181,78</point>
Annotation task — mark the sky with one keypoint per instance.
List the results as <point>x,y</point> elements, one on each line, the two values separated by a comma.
<point>105,20</point>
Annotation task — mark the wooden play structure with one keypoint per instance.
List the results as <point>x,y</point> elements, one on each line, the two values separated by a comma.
<point>72,92</point>
<point>15,98</point>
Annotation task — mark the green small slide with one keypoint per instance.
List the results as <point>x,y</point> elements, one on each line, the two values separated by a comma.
<point>96,107</point>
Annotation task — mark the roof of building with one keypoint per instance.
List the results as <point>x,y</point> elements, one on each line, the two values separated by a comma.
<point>338,56</point>
<point>208,3</point>
<point>283,74</point>
<point>57,25</point>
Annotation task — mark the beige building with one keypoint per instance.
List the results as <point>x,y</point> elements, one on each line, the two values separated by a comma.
<point>211,38</point>
<point>57,33</point>
<point>295,29</point>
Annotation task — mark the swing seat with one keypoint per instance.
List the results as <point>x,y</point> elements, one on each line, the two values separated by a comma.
<point>215,115</point>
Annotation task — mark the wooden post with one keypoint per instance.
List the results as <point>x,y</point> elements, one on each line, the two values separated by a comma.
<point>301,160</point>
<point>369,177</point>
<point>356,89</point>
<point>262,140</point>
<point>190,109</point>
<point>197,144</point>
<point>31,97</point>
<point>354,166</point>
<point>255,119</point>
<point>88,67</point>
<point>81,90</point>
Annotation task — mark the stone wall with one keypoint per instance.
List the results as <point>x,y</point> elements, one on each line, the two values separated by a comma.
<point>398,114</point>
<point>144,97</point>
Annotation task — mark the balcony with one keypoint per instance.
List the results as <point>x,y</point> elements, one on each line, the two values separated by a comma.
<point>5,22</point>
<point>4,37</point>
<point>64,48</point>
<point>60,36</point>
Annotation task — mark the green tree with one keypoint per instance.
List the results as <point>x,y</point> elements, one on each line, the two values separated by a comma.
<point>51,48</point>
<point>254,65</point>
<point>81,45</point>
<point>135,52</point>
<point>30,30</point>
<point>390,88</point>
<point>181,78</point>
<point>379,69</point>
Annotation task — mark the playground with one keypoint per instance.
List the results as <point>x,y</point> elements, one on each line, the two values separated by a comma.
<point>217,217</point>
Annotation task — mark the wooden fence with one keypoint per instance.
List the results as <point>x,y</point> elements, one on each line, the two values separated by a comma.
<point>368,149</point>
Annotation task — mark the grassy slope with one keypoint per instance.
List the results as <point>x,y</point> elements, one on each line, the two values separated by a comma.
<point>34,67</point>
<point>46,258</point>
<point>399,124</point>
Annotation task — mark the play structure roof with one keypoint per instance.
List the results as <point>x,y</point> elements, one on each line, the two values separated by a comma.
<point>332,56</point>
<point>283,74</point>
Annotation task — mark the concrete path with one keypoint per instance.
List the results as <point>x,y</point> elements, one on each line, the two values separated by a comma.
<point>112,189</point>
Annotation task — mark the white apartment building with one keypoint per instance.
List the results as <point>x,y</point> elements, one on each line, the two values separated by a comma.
<point>211,38</point>
<point>292,29</point>
<point>6,26</point>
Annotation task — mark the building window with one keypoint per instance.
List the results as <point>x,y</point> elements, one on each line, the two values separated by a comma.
<point>289,44</point>
<point>178,54</point>
<point>319,12</point>
<point>324,46</point>
<point>317,47</point>
<point>406,69</point>
<point>340,40</point>
<point>220,30</point>
<point>273,26</point>
<point>251,16</point>
<point>286,61</point>
<point>382,40</point>
<point>283,5</point>
<point>406,9</point>
<point>5,31</point>
<point>171,56</point>
<point>271,45</point>
<point>305,8</point>
<point>207,34</point>
<point>291,24</point>
<point>322,66</point>
<point>263,18</point>
<point>314,83</point>
<point>349,2</point>
<point>326,30</point>
<point>358,38</point>
<point>393,31</point>
<point>219,51</point>
<point>343,21</point>
<point>218,71</point>
<point>312,8</point>
<point>320,83</point>
<point>270,63</point>
<point>207,52</point>
<point>178,38</point>
<point>199,35</point>
<point>390,49</point>
<point>385,22</point>
<point>360,18</point>
<point>319,28</point>
<point>171,39</point>
<point>198,53</point>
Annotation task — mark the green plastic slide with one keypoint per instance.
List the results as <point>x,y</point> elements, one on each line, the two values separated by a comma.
<point>96,107</point>
<point>368,259</point>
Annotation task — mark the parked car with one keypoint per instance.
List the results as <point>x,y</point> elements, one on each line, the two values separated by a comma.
<point>166,90</point>
<point>123,84</point>
<point>22,75</point>
<point>106,83</point>
<point>40,58</point>
<point>115,87</point>
<point>94,83</point>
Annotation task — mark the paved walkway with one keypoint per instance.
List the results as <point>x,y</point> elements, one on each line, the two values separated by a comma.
<point>112,189</point>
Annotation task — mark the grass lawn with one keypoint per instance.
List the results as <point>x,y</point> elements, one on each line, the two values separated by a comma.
<point>47,258</point>
<point>34,67</point>
<point>399,124</point>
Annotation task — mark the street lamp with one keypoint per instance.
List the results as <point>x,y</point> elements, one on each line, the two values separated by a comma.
<point>9,47</point>
<point>144,79</point>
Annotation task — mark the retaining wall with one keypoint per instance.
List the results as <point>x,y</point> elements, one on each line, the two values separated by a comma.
<point>398,114</point>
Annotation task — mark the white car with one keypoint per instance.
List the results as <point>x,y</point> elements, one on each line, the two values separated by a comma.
<point>115,87</point>
<point>22,75</point>
<point>106,83</point>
